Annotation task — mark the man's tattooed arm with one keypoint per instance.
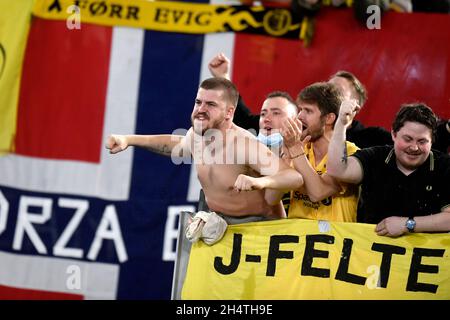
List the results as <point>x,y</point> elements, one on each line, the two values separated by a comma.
<point>165,150</point>
<point>344,158</point>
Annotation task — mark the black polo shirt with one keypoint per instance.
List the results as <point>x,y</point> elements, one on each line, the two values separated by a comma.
<point>386,191</point>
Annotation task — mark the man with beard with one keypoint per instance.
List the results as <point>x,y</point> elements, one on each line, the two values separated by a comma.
<point>405,186</point>
<point>228,159</point>
<point>306,138</point>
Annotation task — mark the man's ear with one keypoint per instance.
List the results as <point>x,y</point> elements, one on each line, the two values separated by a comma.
<point>393,135</point>
<point>230,112</point>
<point>330,118</point>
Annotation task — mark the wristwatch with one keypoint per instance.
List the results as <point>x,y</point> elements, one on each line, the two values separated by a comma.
<point>410,224</point>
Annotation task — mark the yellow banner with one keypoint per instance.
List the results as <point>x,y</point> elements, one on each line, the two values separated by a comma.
<point>15,17</point>
<point>306,259</point>
<point>171,16</point>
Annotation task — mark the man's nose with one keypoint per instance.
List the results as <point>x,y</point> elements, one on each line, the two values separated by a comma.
<point>267,119</point>
<point>413,146</point>
<point>202,107</point>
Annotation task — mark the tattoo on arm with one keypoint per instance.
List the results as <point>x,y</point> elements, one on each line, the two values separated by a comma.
<point>163,150</point>
<point>345,155</point>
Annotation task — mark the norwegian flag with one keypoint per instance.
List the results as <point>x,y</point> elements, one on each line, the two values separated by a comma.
<point>79,223</point>
<point>65,202</point>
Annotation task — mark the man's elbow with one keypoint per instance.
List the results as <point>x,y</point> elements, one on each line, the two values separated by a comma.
<point>295,180</point>
<point>334,172</point>
<point>317,196</point>
<point>298,181</point>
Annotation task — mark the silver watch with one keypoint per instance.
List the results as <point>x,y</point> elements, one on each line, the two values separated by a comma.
<point>410,224</point>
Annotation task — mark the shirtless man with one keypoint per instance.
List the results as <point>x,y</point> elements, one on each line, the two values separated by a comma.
<point>228,159</point>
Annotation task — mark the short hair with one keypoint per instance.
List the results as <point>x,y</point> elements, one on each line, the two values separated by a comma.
<point>326,95</point>
<point>230,91</point>
<point>283,94</point>
<point>357,85</point>
<point>415,112</point>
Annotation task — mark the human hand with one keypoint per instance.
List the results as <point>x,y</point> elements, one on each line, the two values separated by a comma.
<point>347,111</point>
<point>291,131</point>
<point>116,143</point>
<point>219,66</point>
<point>392,227</point>
<point>247,183</point>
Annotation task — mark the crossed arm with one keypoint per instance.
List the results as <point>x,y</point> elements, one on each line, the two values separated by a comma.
<point>276,176</point>
<point>318,187</point>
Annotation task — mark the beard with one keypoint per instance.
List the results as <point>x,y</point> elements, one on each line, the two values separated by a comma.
<point>316,132</point>
<point>198,127</point>
<point>201,128</point>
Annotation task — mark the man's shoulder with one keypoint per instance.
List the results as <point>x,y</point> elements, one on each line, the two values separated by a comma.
<point>442,156</point>
<point>243,138</point>
<point>377,154</point>
<point>377,150</point>
<point>243,133</point>
<point>441,159</point>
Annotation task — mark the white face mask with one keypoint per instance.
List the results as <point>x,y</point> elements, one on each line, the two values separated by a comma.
<point>274,140</point>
